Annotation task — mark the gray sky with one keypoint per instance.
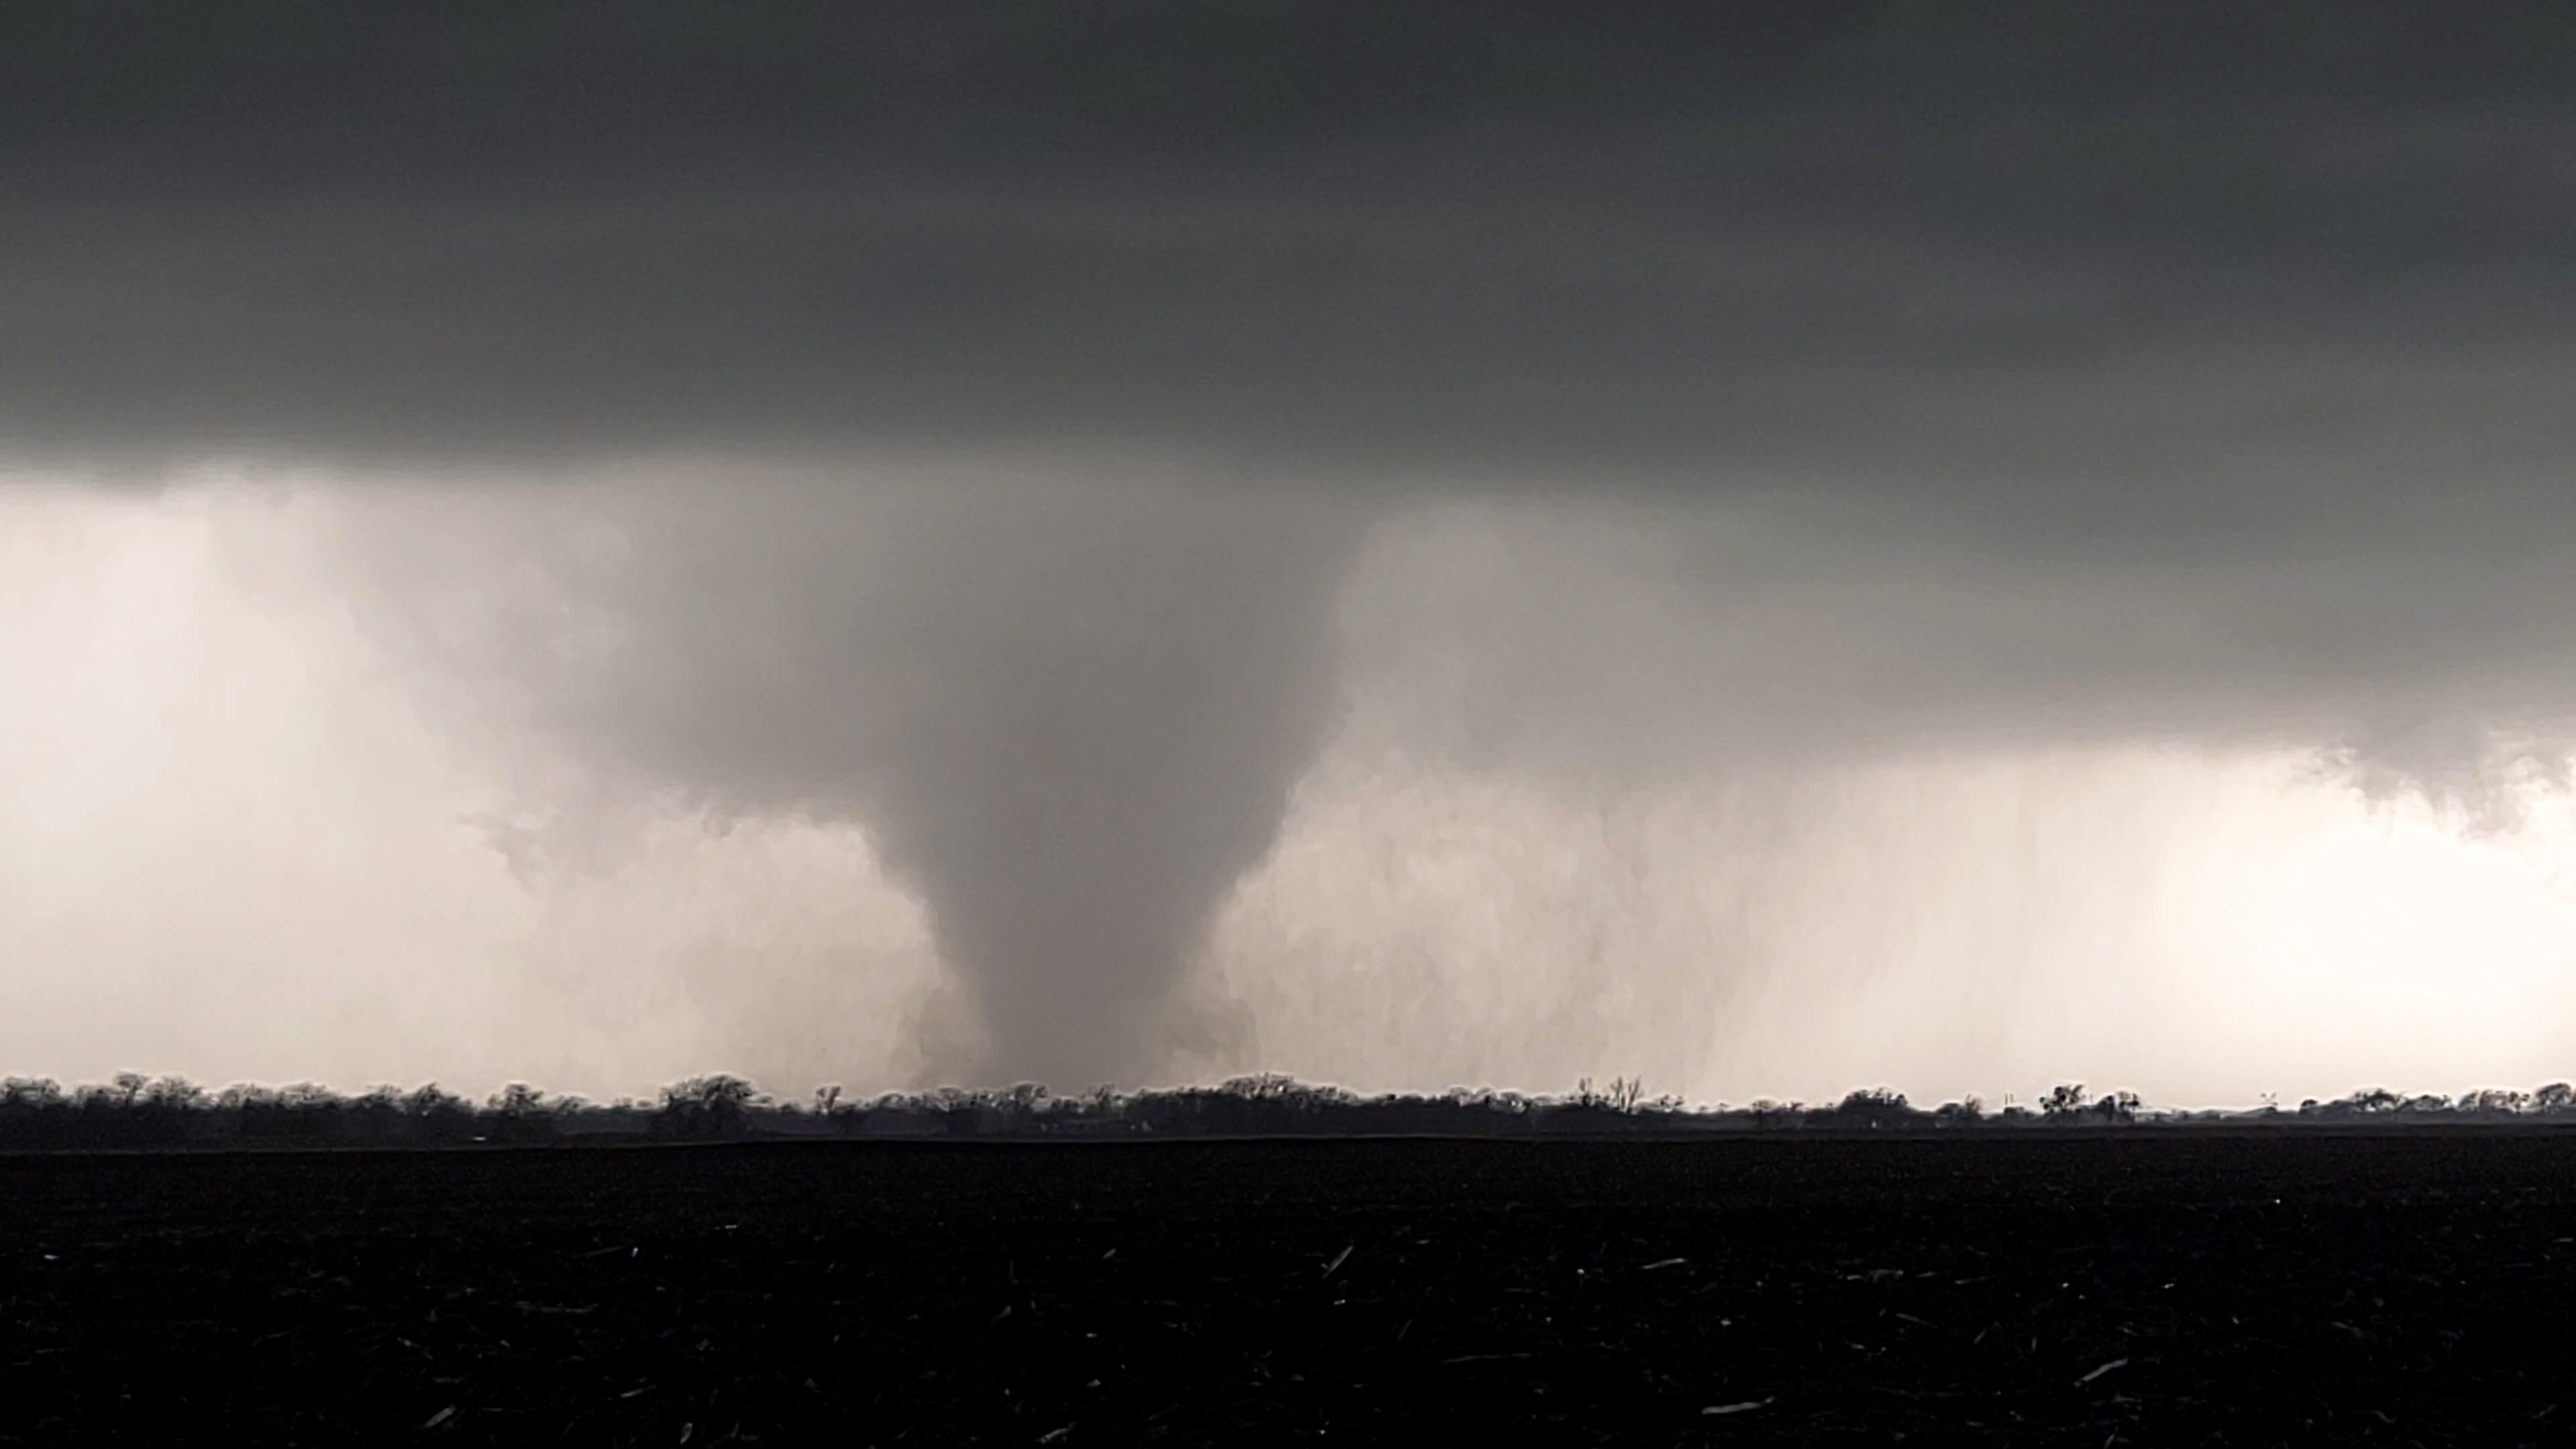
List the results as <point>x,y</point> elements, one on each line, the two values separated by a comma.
<point>1068,494</point>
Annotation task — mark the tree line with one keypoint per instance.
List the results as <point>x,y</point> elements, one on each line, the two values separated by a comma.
<point>133,1111</point>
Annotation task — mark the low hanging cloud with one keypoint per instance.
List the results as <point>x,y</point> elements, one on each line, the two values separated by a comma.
<point>1627,642</point>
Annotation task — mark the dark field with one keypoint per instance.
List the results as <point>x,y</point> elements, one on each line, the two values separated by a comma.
<point>2133,1287</point>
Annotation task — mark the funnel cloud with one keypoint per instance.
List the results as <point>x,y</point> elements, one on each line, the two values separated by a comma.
<point>1069,719</point>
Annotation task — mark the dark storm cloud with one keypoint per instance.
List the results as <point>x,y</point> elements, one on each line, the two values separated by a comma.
<point>1986,245</point>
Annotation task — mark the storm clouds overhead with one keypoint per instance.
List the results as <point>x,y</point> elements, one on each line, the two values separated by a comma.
<point>1774,546</point>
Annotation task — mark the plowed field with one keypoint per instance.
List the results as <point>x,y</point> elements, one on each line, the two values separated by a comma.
<point>2134,1287</point>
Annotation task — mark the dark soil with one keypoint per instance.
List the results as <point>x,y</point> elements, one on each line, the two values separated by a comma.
<point>2136,1287</point>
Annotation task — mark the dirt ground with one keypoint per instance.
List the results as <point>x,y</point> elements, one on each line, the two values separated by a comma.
<point>2134,1287</point>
